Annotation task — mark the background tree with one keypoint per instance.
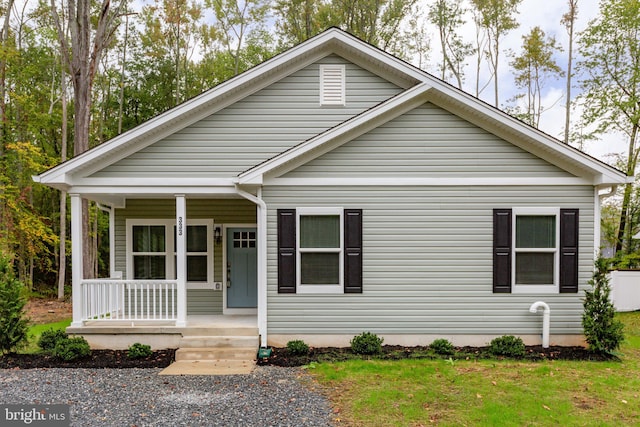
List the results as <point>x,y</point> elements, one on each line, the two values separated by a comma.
<point>610,47</point>
<point>237,21</point>
<point>448,17</point>
<point>297,20</point>
<point>569,20</point>
<point>377,22</point>
<point>170,37</point>
<point>496,18</point>
<point>532,68</point>
<point>82,56</point>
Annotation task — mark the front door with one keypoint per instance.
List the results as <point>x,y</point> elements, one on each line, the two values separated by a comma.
<point>242,267</point>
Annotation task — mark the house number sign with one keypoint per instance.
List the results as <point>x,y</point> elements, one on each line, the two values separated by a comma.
<point>179,226</point>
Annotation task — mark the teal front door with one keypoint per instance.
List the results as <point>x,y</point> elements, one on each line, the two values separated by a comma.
<point>242,268</point>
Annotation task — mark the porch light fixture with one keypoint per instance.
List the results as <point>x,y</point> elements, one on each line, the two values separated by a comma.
<point>217,235</point>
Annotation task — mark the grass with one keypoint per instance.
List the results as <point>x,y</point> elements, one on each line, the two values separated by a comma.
<point>36,330</point>
<point>488,392</point>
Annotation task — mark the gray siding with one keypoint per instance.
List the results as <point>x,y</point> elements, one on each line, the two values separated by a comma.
<point>256,128</point>
<point>428,142</point>
<point>238,211</point>
<point>427,265</point>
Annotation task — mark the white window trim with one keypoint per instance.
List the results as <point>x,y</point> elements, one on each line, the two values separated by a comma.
<point>323,98</point>
<point>320,289</point>
<point>169,244</point>
<point>552,288</point>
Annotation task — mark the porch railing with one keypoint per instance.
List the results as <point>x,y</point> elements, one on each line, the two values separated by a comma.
<point>108,299</point>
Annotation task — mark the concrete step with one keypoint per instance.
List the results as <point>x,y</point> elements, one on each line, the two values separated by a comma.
<point>235,331</point>
<point>219,341</point>
<point>217,353</point>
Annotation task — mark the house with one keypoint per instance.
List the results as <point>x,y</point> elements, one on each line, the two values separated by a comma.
<point>331,190</point>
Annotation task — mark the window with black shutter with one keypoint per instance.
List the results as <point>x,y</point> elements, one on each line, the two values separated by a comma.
<point>535,250</point>
<point>319,250</point>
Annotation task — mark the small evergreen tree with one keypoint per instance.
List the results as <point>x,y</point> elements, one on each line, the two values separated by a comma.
<point>602,331</point>
<point>13,325</point>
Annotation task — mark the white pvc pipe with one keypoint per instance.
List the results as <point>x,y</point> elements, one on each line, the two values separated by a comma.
<point>546,320</point>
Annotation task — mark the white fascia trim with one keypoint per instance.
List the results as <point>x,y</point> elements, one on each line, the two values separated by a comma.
<point>604,174</point>
<point>166,182</point>
<point>163,121</point>
<point>391,181</point>
<point>353,43</point>
<point>363,123</point>
<point>302,55</point>
<point>142,190</point>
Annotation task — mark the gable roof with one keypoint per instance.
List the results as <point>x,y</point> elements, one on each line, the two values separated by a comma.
<point>420,87</point>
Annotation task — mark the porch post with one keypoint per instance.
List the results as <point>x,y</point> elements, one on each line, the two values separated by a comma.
<point>181,258</point>
<point>77,273</point>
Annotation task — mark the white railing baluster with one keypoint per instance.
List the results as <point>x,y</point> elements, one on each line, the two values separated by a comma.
<point>107,299</point>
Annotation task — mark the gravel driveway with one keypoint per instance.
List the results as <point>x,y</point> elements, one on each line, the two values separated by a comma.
<point>270,396</point>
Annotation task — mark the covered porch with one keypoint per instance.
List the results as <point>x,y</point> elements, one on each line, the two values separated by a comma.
<point>183,270</point>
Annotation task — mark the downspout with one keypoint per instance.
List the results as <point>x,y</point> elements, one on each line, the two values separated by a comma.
<point>262,260</point>
<point>112,237</point>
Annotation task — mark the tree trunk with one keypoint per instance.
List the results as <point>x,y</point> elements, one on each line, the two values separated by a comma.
<point>4,35</point>
<point>62,260</point>
<point>569,19</point>
<point>624,231</point>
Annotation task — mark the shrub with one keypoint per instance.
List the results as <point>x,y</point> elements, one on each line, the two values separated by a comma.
<point>366,343</point>
<point>13,325</point>
<point>51,337</point>
<point>507,345</point>
<point>602,331</point>
<point>71,348</point>
<point>298,348</point>
<point>442,346</point>
<point>138,351</point>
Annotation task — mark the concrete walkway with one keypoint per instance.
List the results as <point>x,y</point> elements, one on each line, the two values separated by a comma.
<point>209,367</point>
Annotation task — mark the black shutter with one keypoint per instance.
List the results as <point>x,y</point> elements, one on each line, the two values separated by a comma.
<point>569,250</point>
<point>286,251</point>
<point>353,251</point>
<point>502,251</point>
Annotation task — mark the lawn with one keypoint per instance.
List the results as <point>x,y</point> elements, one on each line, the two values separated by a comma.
<point>488,392</point>
<point>36,330</point>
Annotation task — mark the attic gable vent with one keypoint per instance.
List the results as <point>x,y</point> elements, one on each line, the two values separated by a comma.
<point>332,85</point>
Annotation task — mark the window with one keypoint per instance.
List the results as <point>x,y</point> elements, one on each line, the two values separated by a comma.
<point>332,84</point>
<point>320,251</point>
<point>324,255</point>
<point>149,252</point>
<point>536,241</point>
<point>151,248</point>
<point>535,250</point>
<point>198,242</point>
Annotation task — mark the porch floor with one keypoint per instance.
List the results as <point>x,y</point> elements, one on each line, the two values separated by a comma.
<point>167,327</point>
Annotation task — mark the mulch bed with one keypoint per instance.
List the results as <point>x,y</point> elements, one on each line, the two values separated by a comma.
<point>97,359</point>
<point>281,357</point>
